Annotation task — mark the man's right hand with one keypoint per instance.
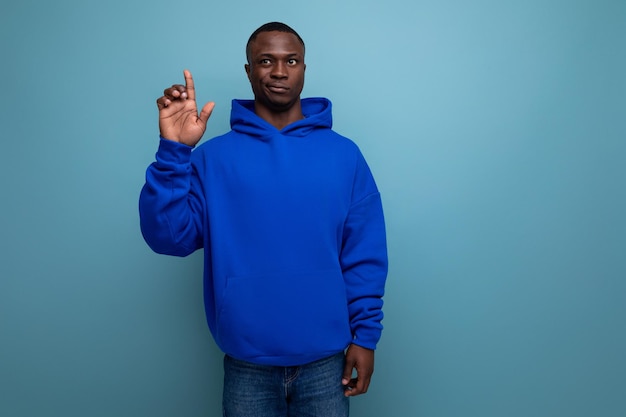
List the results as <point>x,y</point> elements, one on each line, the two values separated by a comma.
<point>178,113</point>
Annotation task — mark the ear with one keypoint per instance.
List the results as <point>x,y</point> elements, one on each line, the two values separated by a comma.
<point>247,68</point>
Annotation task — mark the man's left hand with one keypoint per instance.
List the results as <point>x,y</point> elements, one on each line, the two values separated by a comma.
<point>362,360</point>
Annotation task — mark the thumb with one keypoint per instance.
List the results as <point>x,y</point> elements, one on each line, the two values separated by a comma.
<point>347,371</point>
<point>206,111</point>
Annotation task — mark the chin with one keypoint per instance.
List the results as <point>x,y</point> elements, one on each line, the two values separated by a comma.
<point>282,105</point>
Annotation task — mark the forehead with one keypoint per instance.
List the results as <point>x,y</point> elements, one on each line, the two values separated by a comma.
<point>276,43</point>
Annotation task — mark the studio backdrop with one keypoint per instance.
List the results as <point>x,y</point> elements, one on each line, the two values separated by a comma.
<point>496,131</point>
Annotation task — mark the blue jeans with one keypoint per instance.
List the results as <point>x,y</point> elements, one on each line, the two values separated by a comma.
<point>311,390</point>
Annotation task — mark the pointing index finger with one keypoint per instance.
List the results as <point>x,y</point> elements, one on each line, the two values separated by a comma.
<point>191,91</point>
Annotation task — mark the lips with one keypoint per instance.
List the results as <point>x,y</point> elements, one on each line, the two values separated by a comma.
<point>278,88</point>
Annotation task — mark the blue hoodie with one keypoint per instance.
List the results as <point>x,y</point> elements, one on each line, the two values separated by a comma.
<point>292,228</point>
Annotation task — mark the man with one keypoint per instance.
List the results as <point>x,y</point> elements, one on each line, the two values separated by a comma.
<point>292,228</point>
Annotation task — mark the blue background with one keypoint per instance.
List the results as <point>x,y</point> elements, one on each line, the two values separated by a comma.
<point>497,134</point>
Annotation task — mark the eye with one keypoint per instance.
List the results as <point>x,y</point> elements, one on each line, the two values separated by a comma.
<point>292,61</point>
<point>264,61</point>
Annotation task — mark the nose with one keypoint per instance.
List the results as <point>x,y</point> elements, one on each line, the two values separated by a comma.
<point>279,70</point>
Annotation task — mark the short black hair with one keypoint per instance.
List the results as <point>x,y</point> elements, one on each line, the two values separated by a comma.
<point>271,27</point>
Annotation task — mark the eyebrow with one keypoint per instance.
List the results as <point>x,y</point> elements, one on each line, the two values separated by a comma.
<point>272,55</point>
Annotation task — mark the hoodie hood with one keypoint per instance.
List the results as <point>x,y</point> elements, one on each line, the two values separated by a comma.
<point>317,115</point>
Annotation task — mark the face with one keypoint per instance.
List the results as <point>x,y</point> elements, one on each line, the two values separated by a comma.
<point>276,70</point>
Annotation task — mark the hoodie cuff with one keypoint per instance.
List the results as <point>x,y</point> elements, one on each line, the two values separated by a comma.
<point>367,338</point>
<point>173,152</point>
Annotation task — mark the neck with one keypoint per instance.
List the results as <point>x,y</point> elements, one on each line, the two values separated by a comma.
<point>279,119</point>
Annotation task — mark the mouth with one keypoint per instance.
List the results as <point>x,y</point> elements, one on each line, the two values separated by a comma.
<point>277,88</point>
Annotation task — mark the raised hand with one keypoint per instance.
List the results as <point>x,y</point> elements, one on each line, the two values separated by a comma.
<point>178,113</point>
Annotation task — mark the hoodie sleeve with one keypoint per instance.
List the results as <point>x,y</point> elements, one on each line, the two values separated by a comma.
<point>364,258</point>
<point>170,208</point>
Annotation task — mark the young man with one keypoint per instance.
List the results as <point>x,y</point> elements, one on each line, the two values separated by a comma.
<point>292,228</point>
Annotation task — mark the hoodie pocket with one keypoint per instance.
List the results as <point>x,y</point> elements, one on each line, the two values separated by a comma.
<point>284,314</point>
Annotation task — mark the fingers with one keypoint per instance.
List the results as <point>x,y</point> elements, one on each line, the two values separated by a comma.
<point>357,386</point>
<point>191,90</point>
<point>178,92</point>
